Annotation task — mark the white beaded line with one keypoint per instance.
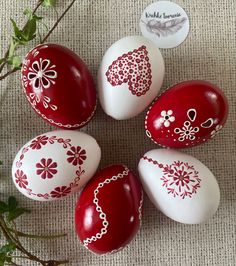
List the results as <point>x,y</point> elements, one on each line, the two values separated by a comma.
<point>140,209</point>
<point>102,215</point>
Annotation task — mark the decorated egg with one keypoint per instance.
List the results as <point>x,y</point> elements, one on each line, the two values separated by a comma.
<point>130,77</point>
<point>179,185</point>
<point>109,210</point>
<point>55,164</point>
<point>59,86</point>
<point>187,114</point>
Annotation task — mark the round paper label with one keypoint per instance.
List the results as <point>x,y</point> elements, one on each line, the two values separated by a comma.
<point>165,23</point>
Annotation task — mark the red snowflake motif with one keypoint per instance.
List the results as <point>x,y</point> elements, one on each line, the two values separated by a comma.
<point>76,155</point>
<point>37,143</point>
<point>180,179</point>
<point>59,192</point>
<point>21,179</point>
<point>46,168</point>
<point>132,68</point>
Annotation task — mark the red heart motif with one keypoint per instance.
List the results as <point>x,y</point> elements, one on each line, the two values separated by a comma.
<point>132,68</point>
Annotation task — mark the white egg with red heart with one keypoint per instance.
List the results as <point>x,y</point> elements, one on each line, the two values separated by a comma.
<point>130,76</point>
<point>179,185</point>
<point>55,164</point>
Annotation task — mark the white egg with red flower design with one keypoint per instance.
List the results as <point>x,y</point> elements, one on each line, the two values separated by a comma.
<point>179,185</point>
<point>130,76</point>
<point>55,164</point>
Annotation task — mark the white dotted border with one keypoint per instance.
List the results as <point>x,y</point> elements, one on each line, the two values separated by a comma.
<point>102,215</point>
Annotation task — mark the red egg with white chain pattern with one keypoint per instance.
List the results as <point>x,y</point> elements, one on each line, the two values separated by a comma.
<point>109,211</point>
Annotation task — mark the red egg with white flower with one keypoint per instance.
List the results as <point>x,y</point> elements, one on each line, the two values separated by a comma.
<point>55,164</point>
<point>109,211</point>
<point>187,114</point>
<point>59,86</point>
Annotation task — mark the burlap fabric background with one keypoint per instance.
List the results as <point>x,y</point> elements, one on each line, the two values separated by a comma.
<point>209,53</point>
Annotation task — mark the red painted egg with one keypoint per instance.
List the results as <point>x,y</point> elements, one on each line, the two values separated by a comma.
<point>187,114</point>
<point>59,86</point>
<point>109,210</point>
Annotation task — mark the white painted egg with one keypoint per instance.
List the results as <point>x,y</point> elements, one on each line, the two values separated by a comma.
<point>55,164</point>
<point>179,185</point>
<point>130,76</point>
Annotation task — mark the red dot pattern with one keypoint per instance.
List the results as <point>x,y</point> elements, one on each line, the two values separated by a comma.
<point>133,68</point>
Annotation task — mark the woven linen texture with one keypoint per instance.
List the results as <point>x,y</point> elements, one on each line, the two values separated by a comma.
<point>208,53</point>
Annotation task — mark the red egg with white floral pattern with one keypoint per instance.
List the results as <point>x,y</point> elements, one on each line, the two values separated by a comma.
<point>187,114</point>
<point>55,164</point>
<point>59,86</point>
<point>109,211</point>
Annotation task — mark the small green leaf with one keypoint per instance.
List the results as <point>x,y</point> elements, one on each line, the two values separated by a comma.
<point>1,60</point>
<point>15,61</point>
<point>28,12</point>
<point>12,203</point>
<point>29,30</point>
<point>8,248</point>
<point>3,207</point>
<point>17,31</point>
<point>37,17</point>
<point>16,213</point>
<point>18,38</point>
<point>49,3</point>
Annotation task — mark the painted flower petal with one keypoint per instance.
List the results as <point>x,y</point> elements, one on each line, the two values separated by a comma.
<point>32,75</point>
<point>169,112</point>
<point>45,82</point>
<point>163,113</point>
<point>44,64</point>
<point>36,66</point>
<point>171,118</point>
<point>50,74</point>
<point>167,123</point>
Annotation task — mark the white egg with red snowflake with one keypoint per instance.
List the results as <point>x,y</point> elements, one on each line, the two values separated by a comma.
<point>55,164</point>
<point>130,76</point>
<point>179,185</point>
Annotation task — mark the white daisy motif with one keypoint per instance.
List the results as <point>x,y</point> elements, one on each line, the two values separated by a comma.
<point>167,117</point>
<point>216,130</point>
<point>41,75</point>
<point>187,131</point>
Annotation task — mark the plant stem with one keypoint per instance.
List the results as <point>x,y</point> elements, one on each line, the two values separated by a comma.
<point>7,52</point>
<point>58,21</point>
<point>9,237</point>
<point>43,41</point>
<point>9,73</point>
<point>21,234</point>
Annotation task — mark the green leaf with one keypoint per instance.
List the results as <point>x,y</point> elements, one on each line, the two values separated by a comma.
<point>12,203</point>
<point>17,31</point>
<point>49,3</point>
<point>1,60</point>
<point>16,213</point>
<point>8,248</point>
<point>29,30</point>
<point>5,253</point>
<point>18,38</point>
<point>28,12</point>
<point>15,62</point>
<point>3,207</point>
